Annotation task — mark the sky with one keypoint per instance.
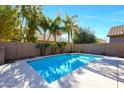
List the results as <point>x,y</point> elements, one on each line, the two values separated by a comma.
<point>100,18</point>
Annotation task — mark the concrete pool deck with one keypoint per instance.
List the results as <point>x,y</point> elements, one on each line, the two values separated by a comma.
<point>102,74</point>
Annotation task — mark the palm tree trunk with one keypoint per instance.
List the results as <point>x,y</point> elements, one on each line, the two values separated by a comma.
<point>44,36</point>
<point>69,40</point>
<point>71,47</point>
<point>49,36</point>
<point>55,38</point>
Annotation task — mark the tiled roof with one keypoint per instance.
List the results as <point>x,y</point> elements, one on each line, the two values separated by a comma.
<point>116,31</point>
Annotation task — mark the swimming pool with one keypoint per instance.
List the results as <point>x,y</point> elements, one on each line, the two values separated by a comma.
<point>54,67</point>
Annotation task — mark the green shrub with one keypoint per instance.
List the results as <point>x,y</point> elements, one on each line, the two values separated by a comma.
<point>52,45</point>
<point>43,46</point>
<point>61,46</point>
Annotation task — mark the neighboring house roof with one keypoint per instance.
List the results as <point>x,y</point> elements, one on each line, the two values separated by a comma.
<point>116,31</point>
<point>101,41</point>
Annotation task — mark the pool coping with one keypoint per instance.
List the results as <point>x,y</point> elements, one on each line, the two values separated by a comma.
<point>28,69</point>
<point>24,61</point>
<point>41,57</point>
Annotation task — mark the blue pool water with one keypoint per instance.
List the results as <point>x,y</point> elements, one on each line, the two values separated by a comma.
<point>54,67</point>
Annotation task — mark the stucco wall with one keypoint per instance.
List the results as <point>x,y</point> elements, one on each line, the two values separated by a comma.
<point>17,50</point>
<point>112,49</point>
<point>2,55</point>
<point>116,39</point>
<point>25,50</point>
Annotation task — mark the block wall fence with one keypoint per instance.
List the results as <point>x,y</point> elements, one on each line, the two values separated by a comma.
<point>18,50</point>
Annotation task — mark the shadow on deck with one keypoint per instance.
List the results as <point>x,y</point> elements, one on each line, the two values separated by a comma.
<point>110,68</point>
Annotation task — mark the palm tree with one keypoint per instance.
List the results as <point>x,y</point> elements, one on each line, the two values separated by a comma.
<point>69,23</point>
<point>44,25</point>
<point>55,28</point>
<point>42,28</point>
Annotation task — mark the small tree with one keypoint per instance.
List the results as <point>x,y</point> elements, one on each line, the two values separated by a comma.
<point>8,23</point>
<point>53,47</point>
<point>61,46</point>
<point>29,17</point>
<point>85,35</point>
<point>43,46</point>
